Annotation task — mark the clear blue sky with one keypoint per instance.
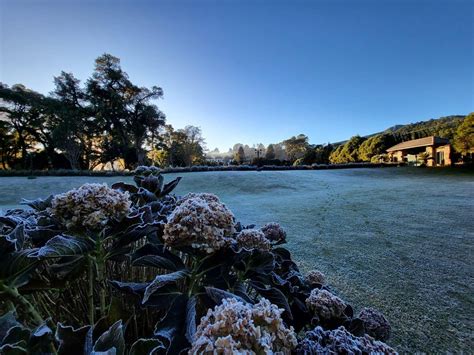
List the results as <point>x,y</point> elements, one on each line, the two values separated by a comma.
<point>259,71</point>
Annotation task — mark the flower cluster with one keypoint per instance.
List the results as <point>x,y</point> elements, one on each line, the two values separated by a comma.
<point>90,206</point>
<point>315,277</point>
<point>340,341</point>
<point>253,239</point>
<point>200,221</point>
<point>274,232</point>
<point>325,305</point>
<point>238,328</point>
<point>375,324</point>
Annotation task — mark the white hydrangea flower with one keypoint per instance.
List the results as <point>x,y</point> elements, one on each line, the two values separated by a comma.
<point>90,206</point>
<point>238,328</point>
<point>200,221</point>
<point>325,305</point>
<point>274,232</point>
<point>315,277</point>
<point>253,239</point>
<point>375,323</point>
<point>340,341</point>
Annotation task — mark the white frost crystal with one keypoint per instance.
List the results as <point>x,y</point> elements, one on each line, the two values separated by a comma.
<point>325,305</point>
<point>90,206</point>
<point>253,239</point>
<point>201,221</point>
<point>238,328</point>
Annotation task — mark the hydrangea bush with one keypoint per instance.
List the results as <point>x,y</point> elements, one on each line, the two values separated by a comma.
<point>134,269</point>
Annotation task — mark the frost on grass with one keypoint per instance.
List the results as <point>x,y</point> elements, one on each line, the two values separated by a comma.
<point>238,328</point>
<point>339,341</point>
<point>315,277</point>
<point>325,305</point>
<point>375,324</point>
<point>90,206</point>
<point>253,239</point>
<point>201,221</point>
<point>274,232</point>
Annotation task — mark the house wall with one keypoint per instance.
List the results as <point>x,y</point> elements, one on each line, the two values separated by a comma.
<point>432,151</point>
<point>399,155</point>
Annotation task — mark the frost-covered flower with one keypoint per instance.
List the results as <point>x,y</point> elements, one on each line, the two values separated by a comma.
<point>90,206</point>
<point>339,341</point>
<point>274,232</point>
<point>200,221</point>
<point>238,328</point>
<point>253,239</point>
<point>325,305</point>
<point>375,324</point>
<point>315,277</point>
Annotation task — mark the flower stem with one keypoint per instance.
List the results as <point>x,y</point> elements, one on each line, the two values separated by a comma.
<point>13,292</point>
<point>90,290</point>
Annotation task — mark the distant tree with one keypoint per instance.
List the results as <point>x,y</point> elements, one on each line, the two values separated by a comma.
<point>193,145</point>
<point>270,153</point>
<point>464,137</point>
<point>375,145</point>
<point>8,145</point>
<point>124,109</point>
<point>240,155</point>
<point>347,153</point>
<point>296,146</point>
<point>73,130</point>
<point>159,157</point>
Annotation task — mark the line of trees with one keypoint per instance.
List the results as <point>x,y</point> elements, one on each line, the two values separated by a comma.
<point>458,129</point>
<point>107,120</point>
<point>297,150</point>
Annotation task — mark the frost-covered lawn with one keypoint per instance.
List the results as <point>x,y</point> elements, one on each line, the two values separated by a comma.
<point>397,239</point>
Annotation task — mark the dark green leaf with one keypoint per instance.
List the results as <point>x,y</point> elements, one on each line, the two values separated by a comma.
<point>16,334</point>
<point>39,204</point>
<point>7,321</point>
<point>170,186</point>
<point>171,325</point>
<point>275,296</point>
<point>112,338</point>
<point>71,341</point>
<point>162,280</point>
<point>135,288</point>
<point>17,236</point>
<point>124,187</point>
<point>68,267</point>
<point>217,295</point>
<point>138,232</point>
<point>65,245</point>
<point>14,349</point>
<point>147,346</point>
<point>191,318</point>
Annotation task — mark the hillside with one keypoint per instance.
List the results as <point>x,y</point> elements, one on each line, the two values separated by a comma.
<point>442,127</point>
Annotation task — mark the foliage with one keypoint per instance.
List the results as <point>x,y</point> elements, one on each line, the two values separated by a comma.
<point>270,152</point>
<point>296,146</point>
<point>240,155</point>
<point>108,119</point>
<point>464,137</point>
<point>347,153</point>
<point>139,282</point>
<point>375,145</point>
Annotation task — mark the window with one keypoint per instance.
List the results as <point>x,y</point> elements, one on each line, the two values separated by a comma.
<point>440,158</point>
